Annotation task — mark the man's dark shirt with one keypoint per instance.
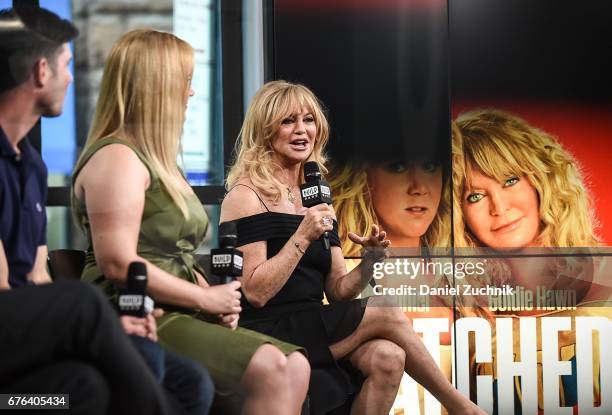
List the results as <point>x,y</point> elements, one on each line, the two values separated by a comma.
<point>23,195</point>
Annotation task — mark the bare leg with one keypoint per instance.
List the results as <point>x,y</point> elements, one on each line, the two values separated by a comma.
<point>382,362</point>
<point>299,377</point>
<point>390,323</point>
<point>275,384</point>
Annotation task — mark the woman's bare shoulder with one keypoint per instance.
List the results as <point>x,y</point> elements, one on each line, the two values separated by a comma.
<point>116,157</point>
<point>114,163</point>
<point>243,199</point>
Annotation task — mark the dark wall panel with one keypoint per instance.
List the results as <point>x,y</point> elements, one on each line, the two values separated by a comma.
<point>379,67</point>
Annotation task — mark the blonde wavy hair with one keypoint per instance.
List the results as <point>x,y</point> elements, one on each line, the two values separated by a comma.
<point>356,213</point>
<point>142,100</point>
<point>253,154</point>
<point>501,145</point>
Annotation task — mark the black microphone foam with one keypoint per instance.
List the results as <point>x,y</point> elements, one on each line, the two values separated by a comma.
<point>311,171</point>
<point>226,261</point>
<point>228,234</point>
<point>133,299</point>
<point>315,191</point>
<point>137,276</point>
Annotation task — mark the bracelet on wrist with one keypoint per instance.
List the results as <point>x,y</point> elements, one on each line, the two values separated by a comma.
<point>297,245</point>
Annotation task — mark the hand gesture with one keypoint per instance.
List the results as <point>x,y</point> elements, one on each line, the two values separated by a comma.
<point>377,243</point>
<point>317,219</point>
<point>222,299</point>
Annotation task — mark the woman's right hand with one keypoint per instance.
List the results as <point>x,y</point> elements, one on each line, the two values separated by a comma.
<point>222,299</point>
<point>229,320</point>
<point>317,219</point>
<point>139,326</point>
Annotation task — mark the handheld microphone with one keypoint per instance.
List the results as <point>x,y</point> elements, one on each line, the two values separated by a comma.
<point>226,261</point>
<point>133,300</point>
<point>315,191</point>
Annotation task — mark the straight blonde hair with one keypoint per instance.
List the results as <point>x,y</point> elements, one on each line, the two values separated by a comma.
<point>142,100</point>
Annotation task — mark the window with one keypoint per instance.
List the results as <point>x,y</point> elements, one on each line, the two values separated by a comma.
<point>206,149</point>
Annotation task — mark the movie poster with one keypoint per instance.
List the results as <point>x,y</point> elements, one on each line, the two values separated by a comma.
<point>530,123</point>
<point>497,204</point>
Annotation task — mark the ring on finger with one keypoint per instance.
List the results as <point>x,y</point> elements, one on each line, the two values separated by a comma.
<point>325,221</point>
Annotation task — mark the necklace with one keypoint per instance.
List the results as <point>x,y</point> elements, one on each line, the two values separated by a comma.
<point>289,188</point>
<point>290,195</point>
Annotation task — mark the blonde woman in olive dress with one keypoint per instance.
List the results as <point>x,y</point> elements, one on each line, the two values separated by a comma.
<point>134,204</point>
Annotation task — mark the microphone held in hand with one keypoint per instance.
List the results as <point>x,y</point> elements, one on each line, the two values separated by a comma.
<point>315,191</point>
<point>133,300</point>
<point>226,261</point>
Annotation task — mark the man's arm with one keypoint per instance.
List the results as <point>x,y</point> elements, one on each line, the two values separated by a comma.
<point>4,271</point>
<point>39,274</point>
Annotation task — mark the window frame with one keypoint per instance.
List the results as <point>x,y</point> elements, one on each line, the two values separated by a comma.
<point>229,27</point>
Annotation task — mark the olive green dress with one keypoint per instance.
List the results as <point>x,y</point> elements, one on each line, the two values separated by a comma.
<point>168,240</point>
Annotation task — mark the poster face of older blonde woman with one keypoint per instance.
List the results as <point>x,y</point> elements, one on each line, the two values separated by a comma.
<point>516,186</point>
<point>501,214</point>
<point>521,200</point>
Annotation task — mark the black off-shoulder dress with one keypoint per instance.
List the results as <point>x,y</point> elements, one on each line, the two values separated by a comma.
<point>296,314</point>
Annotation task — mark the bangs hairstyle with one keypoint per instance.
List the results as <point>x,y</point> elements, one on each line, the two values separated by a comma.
<point>500,145</point>
<point>355,209</point>
<point>253,154</point>
<point>142,100</point>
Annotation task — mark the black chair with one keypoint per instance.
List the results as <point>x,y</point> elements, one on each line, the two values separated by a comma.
<point>66,264</point>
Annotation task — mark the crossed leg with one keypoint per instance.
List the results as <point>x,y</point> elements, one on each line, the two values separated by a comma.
<point>382,363</point>
<point>390,323</point>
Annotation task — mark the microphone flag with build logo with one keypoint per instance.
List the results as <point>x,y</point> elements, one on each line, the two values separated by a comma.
<point>133,300</point>
<point>315,191</point>
<point>226,261</point>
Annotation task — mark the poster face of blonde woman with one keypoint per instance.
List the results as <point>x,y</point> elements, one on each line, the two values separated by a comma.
<point>520,191</point>
<point>408,198</point>
<point>501,213</point>
<point>405,197</point>
<point>516,186</point>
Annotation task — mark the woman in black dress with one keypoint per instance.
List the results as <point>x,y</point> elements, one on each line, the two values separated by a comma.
<point>286,268</point>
